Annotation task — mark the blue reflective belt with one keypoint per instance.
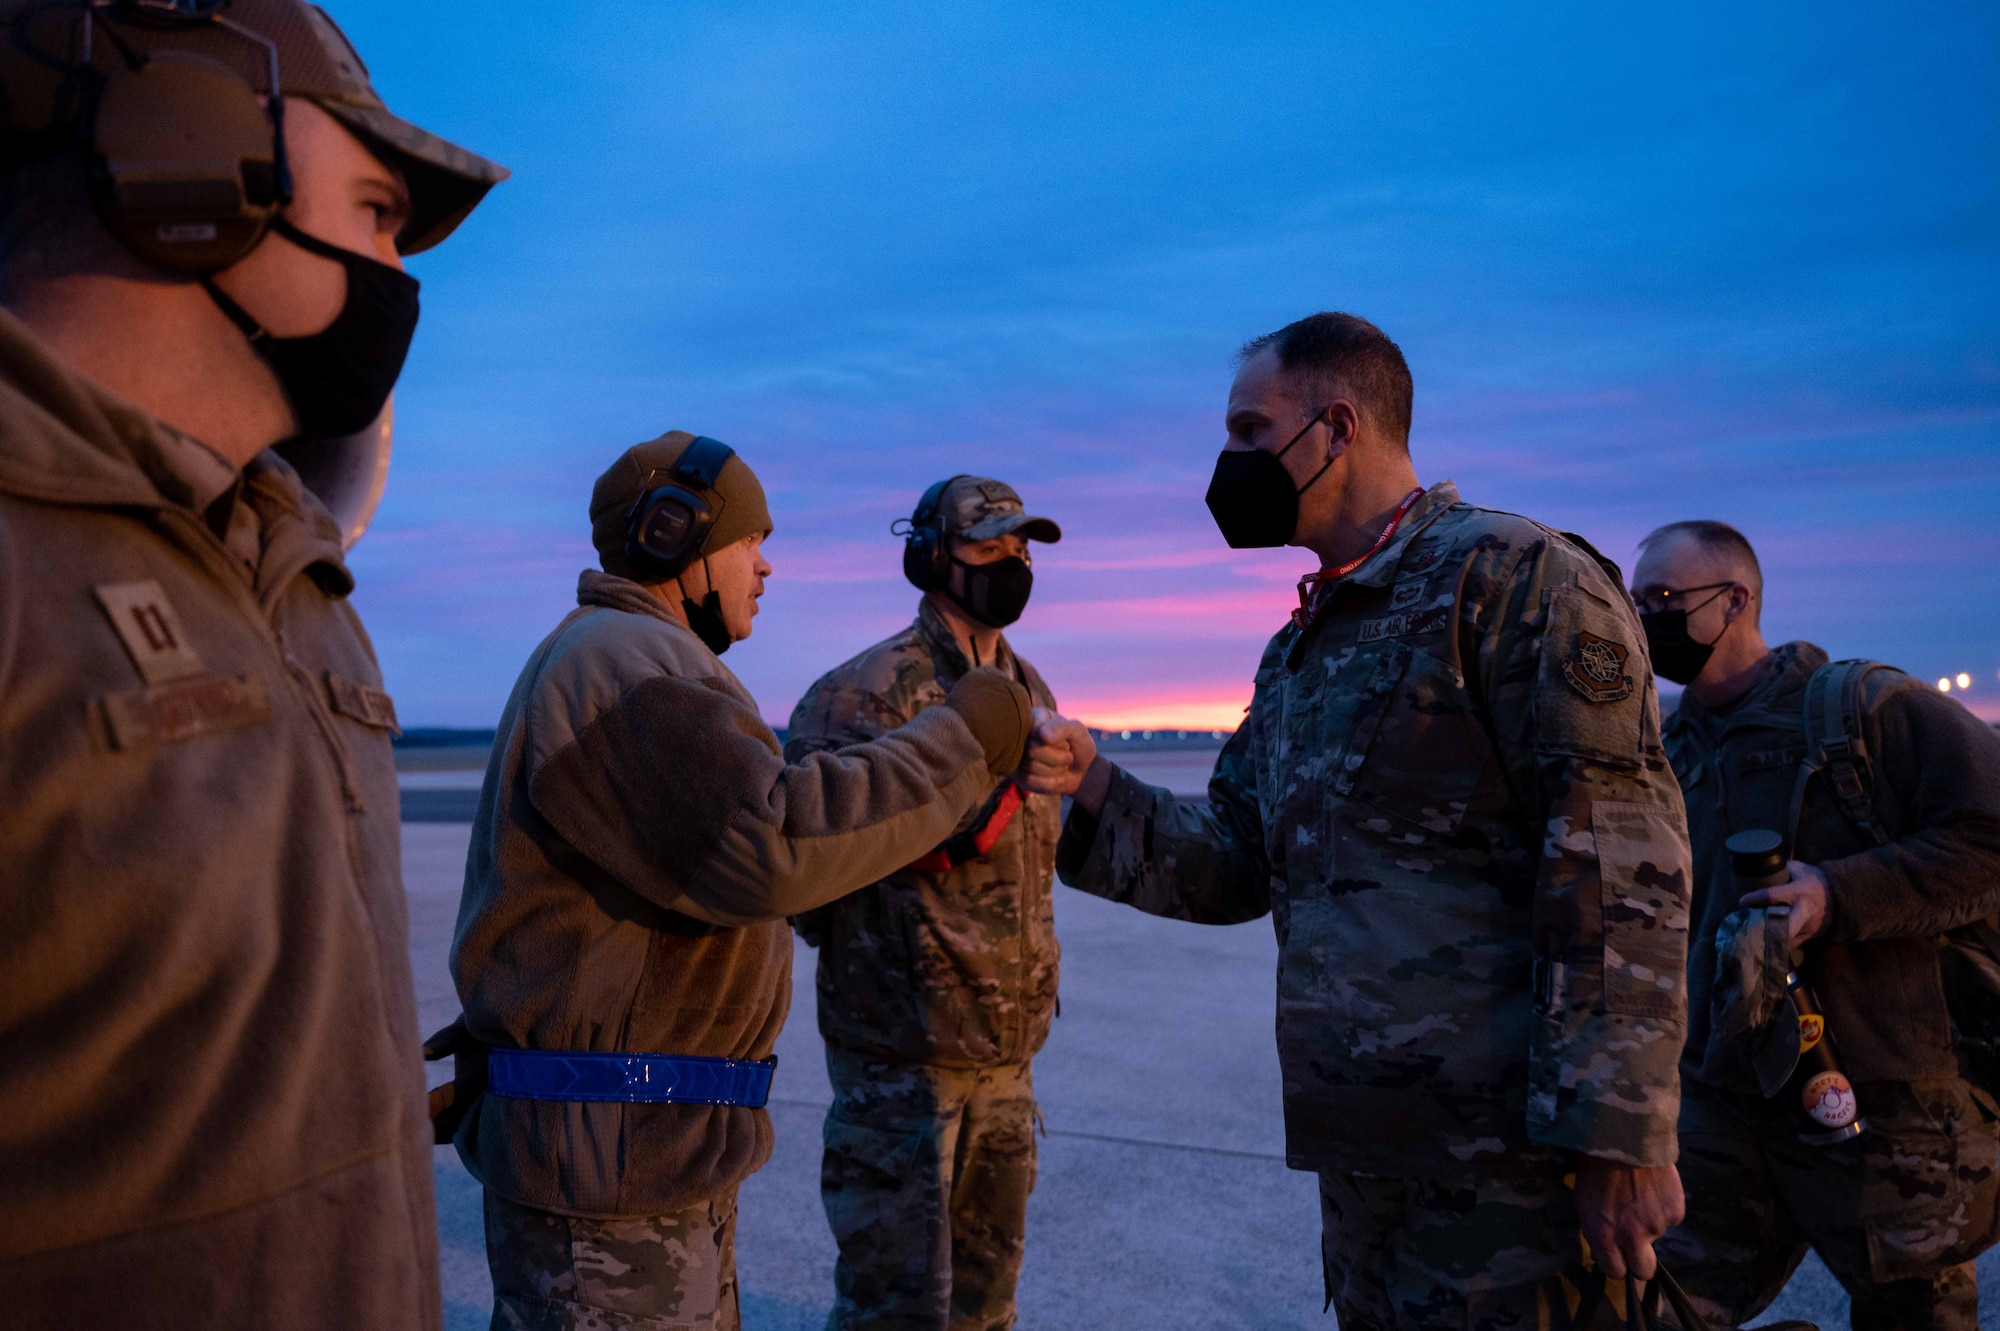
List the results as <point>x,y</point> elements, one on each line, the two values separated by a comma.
<point>537,1074</point>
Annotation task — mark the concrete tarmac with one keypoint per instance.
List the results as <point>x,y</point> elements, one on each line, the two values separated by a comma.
<point>1163,1201</point>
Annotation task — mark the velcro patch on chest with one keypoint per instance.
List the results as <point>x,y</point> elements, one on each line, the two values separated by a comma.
<point>150,630</point>
<point>1423,560</point>
<point>1404,624</point>
<point>1596,669</point>
<point>185,709</point>
<point>1764,760</point>
<point>362,702</point>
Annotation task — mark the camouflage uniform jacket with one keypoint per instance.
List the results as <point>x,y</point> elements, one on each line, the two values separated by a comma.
<point>1449,792</point>
<point>956,969</point>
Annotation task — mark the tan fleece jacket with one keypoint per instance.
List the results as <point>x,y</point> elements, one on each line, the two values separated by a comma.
<point>638,845</point>
<point>211,1100</point>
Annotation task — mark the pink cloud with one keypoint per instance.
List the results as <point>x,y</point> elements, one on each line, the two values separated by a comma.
<point>1253,611</point>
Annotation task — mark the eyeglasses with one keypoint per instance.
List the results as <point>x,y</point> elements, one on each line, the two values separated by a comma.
<point>1656,600</point>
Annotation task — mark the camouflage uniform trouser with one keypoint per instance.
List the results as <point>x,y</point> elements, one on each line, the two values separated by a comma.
<point>926,1180</point>
<point>1468,1254</point>
<point>1897,1214</point>
<point>561,1273</point>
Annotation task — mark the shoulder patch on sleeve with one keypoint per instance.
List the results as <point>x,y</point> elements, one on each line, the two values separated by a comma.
<point>1590,695</point>
<point>1597,667</point>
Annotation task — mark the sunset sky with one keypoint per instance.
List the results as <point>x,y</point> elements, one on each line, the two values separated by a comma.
<point>1723,261</point>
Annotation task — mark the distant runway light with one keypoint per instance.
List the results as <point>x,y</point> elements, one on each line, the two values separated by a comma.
<point>1944,686</point>
<point>1964,681</point>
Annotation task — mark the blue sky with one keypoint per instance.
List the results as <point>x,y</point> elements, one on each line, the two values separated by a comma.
<point>1707,262</point>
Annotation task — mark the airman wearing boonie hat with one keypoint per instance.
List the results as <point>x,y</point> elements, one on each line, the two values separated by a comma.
<point>213,1105</point>
<point>621,948</point>
<point>937,983</point>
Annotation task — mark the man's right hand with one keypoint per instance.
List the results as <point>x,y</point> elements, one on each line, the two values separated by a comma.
<point>1062,760</point>
<point>1806,896</point>
<point>1621,1209</point>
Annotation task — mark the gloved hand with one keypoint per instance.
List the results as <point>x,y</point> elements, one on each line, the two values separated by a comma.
<point>999,714</point>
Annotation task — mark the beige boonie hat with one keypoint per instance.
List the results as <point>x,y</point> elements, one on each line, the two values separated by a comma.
<point>976,508</point>
<point>315,62</point>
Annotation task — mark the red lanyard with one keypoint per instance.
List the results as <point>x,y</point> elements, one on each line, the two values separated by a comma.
<point>1310,584</point>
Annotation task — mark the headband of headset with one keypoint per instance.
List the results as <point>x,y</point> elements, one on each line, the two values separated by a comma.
<point>670,523</point>
<point>187,162</point>
<point>926,558</point>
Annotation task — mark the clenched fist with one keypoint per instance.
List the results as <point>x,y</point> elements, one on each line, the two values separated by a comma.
<point>1062,760</point>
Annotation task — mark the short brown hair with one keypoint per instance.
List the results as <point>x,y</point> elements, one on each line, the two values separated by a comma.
<point>1719,538</point>
<point>1328,352</point>
<point>1711,535</point>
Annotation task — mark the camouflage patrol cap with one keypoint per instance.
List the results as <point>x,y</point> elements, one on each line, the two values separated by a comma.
<point>976,508</point>
<point>315,62</point>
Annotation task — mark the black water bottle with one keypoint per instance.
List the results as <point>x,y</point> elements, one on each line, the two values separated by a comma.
<point>1818,1096</point>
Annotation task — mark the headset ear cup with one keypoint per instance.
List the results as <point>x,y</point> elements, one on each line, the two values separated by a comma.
<point>919,565</point>
<point>926,562</point>
<point>940,559</point>
<point>184,167</point>
<point>643,554</point>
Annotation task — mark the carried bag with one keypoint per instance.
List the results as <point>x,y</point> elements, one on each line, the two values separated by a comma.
<point>1642,1311</point>
<point>1969,956</point>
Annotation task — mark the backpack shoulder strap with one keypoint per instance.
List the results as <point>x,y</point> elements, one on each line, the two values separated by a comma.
<point>1836,743</point>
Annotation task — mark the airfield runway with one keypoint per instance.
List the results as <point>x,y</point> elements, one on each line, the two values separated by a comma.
<point>1163,1203</point>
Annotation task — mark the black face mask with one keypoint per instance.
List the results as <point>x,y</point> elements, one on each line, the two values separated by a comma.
<point>338,378</point>
<point>707,622</point>
<point>1677,657</point>
<point>1252,498</point>
<point>995,593</point>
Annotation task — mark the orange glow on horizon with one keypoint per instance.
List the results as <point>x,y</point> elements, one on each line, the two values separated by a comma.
<point>1215,710</point>
<point>1199,713</point>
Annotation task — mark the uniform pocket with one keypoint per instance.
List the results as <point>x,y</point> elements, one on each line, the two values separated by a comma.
<point>1421,755</point>
<point>1645,904</point>
<point>1931,1198</point>
<point>361,702</point>
<point>880,1149</point>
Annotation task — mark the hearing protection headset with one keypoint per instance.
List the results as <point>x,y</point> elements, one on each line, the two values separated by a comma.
<point>670,522</point>
<point>187,164</point>
<point>926,560</point>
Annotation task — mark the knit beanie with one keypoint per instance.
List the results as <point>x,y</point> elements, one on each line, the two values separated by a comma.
<point>644,466</point>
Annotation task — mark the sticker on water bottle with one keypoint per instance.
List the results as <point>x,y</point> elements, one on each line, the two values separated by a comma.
<point>1829,1100</point>
<point>1812,1026</point>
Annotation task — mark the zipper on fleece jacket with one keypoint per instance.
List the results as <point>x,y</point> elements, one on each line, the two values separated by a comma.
<point>303,684</point>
